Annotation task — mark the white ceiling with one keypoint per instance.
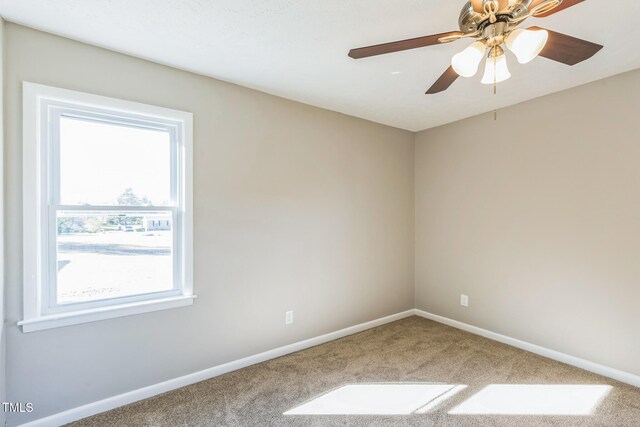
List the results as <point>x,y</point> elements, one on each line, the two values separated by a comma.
<point>297,49</point>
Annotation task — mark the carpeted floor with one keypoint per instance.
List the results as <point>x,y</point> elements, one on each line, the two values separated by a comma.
<point>409,351</point>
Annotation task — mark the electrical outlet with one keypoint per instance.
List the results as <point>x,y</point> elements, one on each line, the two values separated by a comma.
<point>464,300</point>
<point>288,318</point>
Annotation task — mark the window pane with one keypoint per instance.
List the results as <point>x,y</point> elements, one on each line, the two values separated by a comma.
<point>111,255</point>
<point>110,164</point>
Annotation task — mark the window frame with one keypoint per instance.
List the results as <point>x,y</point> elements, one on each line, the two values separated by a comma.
<point>43,107</point>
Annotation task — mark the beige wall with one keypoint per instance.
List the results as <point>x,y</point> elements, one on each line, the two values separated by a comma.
<point>296,208</point>
<point>537,218</point>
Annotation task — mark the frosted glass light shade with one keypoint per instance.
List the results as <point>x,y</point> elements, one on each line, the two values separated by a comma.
<point>527,44</point>
<point>500,68</point>
<point>466,62</point>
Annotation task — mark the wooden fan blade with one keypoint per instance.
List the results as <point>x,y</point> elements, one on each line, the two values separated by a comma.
<point>381,49</point>
<point>478,6</point>
<point>565,4</point>
<point>503,5</point>
<point>566,49</point>
<point>444,81</point>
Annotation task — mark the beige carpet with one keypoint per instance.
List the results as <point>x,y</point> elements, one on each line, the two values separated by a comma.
<point>409,351</point>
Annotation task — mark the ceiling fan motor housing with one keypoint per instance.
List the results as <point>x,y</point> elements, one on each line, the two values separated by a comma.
<point>471,22</point>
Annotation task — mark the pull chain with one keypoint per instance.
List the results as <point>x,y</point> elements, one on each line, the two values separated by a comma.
<point>495,82</point>
<point>491,8</point>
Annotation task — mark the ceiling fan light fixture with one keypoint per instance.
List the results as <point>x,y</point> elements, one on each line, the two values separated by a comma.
<point>466,63</point>
<point>498,71</point>
<point>527,44</point>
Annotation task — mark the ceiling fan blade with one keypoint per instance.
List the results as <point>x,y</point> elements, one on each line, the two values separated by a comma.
<point>478,5</point>
<point>566,49</point>
<point>565,4</point>
<point>444,81</point>
<point>381,49</point>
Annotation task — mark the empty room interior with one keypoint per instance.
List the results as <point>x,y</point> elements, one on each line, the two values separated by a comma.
<point>320,213</point>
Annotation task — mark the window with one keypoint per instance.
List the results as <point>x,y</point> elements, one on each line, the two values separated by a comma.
<point>107,208</point>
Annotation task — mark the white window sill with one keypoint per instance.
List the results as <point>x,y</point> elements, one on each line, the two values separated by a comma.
<point>102,313</point>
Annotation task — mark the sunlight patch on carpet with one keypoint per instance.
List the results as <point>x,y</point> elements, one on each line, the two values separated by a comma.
<point>378,399</point>
<point>538,399</point>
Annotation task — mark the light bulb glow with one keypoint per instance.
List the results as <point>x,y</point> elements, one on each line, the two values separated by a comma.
<point>527,44</point>
<point>499,68</point>
<point>466,63</point>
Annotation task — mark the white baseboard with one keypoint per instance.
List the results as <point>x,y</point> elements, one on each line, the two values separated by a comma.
<point>163,387</point>
<point>587,365</point>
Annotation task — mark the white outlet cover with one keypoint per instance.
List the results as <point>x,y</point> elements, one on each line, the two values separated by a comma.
<point>464,300</point>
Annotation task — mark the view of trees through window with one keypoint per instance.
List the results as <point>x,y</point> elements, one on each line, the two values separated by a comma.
<point>104,223</point>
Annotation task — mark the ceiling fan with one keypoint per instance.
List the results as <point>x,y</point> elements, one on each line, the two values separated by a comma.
<point>492,23</point>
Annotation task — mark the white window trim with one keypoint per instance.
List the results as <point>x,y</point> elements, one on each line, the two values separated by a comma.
<point>34,191</point>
